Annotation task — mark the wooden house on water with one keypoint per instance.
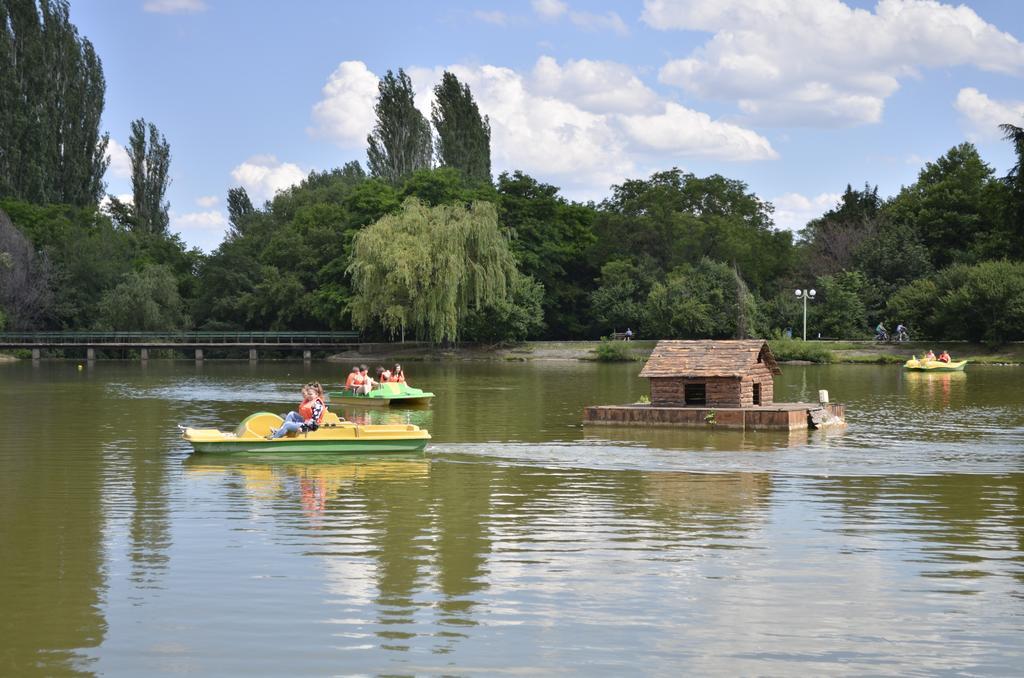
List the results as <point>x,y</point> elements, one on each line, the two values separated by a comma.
<point>738,373</point>
<point>727,383</point>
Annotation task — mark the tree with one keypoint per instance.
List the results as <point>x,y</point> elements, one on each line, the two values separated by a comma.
<point>1014,180</point>
<point>240,210</point>
<point>453,259</point>
<point>618,301</point>
<point>706,301</point>
<point>951,206</point>
<point>145,300</point>
<point>516,318</point>
<point>51,149</point>
<point>400,142</point>
<point>151,164</point>
<point>983,302</point>
<point>25,296</point>
<point>550,239</point>
<point>463,137</point>
<point>839,310</point>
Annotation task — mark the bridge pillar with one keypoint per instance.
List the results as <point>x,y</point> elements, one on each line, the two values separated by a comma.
<point>199,355</point>
<point>252,355</point>
<point>90,354</point>
<point>307,356</point>
<point>35,355</point>
<point>144,354</point>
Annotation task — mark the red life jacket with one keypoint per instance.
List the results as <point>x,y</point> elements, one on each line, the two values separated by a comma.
<point>312,409</point>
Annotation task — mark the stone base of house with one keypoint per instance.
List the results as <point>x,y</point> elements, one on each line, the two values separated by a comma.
<point>775,417</point>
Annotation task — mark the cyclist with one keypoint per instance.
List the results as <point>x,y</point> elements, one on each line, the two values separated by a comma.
<point>881,334</point>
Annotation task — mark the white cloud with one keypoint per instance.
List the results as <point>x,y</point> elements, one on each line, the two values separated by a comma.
<point>345,114</point>
<point>583,124</point>
<point>550,9</point>
<point>985,114</point>
<point>174,6</point>
<point>207,201</point>
<point>793,211</point>
<point>681,130</point>
<point>204,221</point>
<point>262,176</point>
<point>597,86</point>
<point>120,163</point>
<point>589,21</point>
<point>495,16</point>
<point>822,62</point>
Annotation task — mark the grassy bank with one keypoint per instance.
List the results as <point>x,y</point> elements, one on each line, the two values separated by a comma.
<point>785,350</point>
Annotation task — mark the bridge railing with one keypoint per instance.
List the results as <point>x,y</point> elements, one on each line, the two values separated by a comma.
<point>29,338</point>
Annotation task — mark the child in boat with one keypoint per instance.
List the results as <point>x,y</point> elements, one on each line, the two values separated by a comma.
<point>367,383</point>
<point>944,357</point>
<point>930,355</point>
<point>397,374</point>
<point>310,414</point>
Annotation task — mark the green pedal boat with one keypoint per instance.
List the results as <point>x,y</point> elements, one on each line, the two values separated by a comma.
<point>333,436</point>
<point>384,395</point>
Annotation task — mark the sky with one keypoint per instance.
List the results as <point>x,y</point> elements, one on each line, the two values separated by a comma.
<point>797,98</point>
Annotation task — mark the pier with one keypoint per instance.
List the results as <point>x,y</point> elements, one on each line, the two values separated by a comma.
<point>198,342</point>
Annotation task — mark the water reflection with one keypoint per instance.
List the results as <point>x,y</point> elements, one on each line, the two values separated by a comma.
<point>519,541</point>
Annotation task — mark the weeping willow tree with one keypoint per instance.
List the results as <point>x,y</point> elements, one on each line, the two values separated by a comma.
<point>423,269</point>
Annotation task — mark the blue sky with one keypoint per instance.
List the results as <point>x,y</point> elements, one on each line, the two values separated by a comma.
<point>795,97</point>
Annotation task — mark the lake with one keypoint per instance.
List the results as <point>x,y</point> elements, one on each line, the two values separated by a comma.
<point>520,542</point>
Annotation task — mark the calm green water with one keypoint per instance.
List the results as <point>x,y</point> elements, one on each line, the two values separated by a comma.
<point>520,542</point>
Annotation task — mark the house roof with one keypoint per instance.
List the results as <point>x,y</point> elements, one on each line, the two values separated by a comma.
<point>709,358</point>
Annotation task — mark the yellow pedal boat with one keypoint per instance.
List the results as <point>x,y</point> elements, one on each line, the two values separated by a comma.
<point>333,436</point>
<point>916,365</point>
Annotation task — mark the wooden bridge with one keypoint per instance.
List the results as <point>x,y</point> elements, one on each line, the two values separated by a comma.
<point>197,341</point>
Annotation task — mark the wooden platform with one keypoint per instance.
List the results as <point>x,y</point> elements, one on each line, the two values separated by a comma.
<point>775,417</point>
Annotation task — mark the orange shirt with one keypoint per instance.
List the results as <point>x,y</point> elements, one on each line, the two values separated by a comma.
<point>351,381</point>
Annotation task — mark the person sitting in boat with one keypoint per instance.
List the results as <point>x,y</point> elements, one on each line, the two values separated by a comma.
<point>368,384</point>
<point>944,357</point>
<point>308,418</point>
<point>930,355</point>
<point>353,380</point>
<point>397,374</point>
<point>385,375</point>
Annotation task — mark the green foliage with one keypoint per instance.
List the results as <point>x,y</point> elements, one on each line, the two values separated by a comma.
<point>550,237</point>
<point>984,302</point>
<point>951,206</point>
<point>51,80</point>
<point>400,142</point>
<point>838,310</point>
<point>145,300</point>
<point>795,349</point>
<point>151,165</point>
<point>618,302</point>
<point>706,301</point>
<point>463,136</point>
<point>676,218</point>
<point>517,317</point>
<point>609,351</point>
<point>424,268</point>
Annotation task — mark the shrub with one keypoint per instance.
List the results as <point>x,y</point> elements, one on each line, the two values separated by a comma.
<point>613,351</point>
<point>794,349</point>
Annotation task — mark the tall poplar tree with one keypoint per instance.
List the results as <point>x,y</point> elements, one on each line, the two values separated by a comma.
<point>400,142</point>
<point>51,100</point>
<point>151,164</point>
<point>463,136</point>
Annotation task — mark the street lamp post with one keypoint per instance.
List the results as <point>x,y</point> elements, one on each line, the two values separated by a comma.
<point>805,295</point>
